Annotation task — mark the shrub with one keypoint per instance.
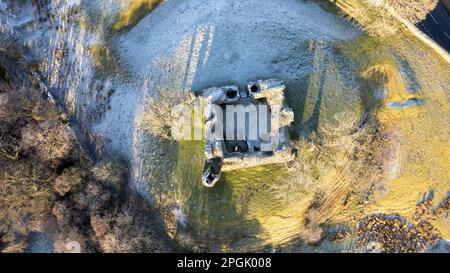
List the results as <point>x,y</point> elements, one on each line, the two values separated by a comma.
<point>76,204</point>
<point>20,108</point>
<point>336,160</point>
<point>134,13</point>
<point>158,117</point>
<point>376,21</point>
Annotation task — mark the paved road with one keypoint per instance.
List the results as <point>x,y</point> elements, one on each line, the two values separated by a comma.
<point>437,26</point>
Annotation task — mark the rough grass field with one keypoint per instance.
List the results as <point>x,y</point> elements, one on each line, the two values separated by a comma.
<point>361,166</point>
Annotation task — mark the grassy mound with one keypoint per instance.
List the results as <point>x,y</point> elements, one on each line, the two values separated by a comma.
<point>137,10</point>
